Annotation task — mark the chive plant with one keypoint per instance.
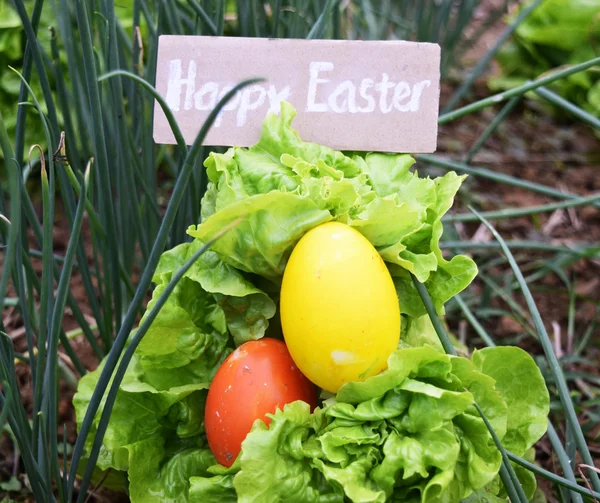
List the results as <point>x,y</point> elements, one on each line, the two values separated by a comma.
<point>101,169</point>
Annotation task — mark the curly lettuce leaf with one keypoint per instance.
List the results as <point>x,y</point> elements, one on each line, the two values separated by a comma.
<point>238,305</point>
<point>263,241</point>
<point>141,414</point>
<point>521,385</point>
<point>411,433</point>
<point>173,484</point>
<point>284,186</point>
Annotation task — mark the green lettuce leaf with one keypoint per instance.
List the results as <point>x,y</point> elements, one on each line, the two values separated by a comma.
<point>521,385</point>
<point>284,186</point>
<point>263,241</point>
<point>235,304</point>
<point>555,34</point>
<point>411,433</point>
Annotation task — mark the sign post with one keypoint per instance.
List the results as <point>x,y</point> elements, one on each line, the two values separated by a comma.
<point>349,95</point>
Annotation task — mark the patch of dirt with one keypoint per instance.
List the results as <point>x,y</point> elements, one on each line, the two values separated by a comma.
<point>533,145</point>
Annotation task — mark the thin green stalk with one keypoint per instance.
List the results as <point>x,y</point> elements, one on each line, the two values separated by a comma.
<point>318,28</point>
<point>581,249</point>
<point>65,468</point>
<point>491,127</point>
<point>8,374</point>
<point>93,216</point>
<point>517,91</point>
<point>497,177</point>
<point>563,458</point>
<point>27,62</point>
<point>561,260</point>
<point>137,62</point>
<point>161,101</point>
<point>243,18</point>
<point>18,421</point>
<point>96,225</point>
<point>571,451</point>
<point>515,307</point>
<point>64,103</point>
<point>78,93</point>
<point>435,319</point>
<point>5,403</point>
<point>161,240</point>
<point>74,357</point>
<point>173,22</point>
<point>15,209</point>
<point>253,17</point>
<point>566,105</point>
<point>489,55</point>
<point>555,368</point>
<point>51,378</point>
<point>27,313</point>
<point>474,322</point>
<point>276,8</point>
<point>507,472</point>
<point>150,196</point>
<point>532,467</point>
<point>41,70</point>
<point>46,296</point>
<point>149,21</point>
<point>588,333</point>
<point>44,454</point>
<point>521,212</point>
<point>111,284</point>
<point>337,23</point>
<point>220,17</point>
<point>202,14</point>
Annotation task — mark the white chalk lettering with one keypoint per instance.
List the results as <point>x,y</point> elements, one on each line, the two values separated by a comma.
<point>247,103</point>
<point>275,98</point>
<point>175,83</point>
<point>401,91</point>
<point>347,92</point>
<point>232,104</point>
<point>365,85</point>
<point>210,89</point>
<point>417,90</point>
<point>383,87</point>
<point>315,68</point>
<point>334,96</point>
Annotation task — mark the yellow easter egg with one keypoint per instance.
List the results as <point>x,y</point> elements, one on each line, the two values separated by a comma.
<point>340,313</point>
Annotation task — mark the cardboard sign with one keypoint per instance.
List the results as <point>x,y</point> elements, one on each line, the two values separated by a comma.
<point>349,95</point>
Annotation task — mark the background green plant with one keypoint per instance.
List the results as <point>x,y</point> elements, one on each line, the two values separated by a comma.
<point>109,120</point>
<point>558,33</point>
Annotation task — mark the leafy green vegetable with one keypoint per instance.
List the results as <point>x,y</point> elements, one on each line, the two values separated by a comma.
<point>556,33</point>
<point>411,433</point>
<point>286,186</point>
